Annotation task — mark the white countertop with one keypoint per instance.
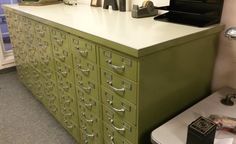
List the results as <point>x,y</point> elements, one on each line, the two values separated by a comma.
<point>175,130</point>
<point>116,26</point>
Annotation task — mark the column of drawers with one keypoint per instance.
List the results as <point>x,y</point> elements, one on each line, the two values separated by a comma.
<point>65,80</point>
<point>119,97</point>
<point>87,89</point>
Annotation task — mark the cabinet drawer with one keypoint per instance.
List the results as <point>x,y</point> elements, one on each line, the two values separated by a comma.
<point>82,93</point>
<point>62,55</point>
<point>88,125</point>
<point>86,68</point>
<point>48,73</point>
<point>119,63</point>
<point>83,48</point>
<point>71,127</point>
<point>95,137</point>
<point>112,137</point>
<point>65,71</point>
<point>42,31</point>
<point>124,129</point>
<point>67,100</point>
<point>88,86</point>
<point>50,86</point>
<point>124,110</point>
<point>122,87</point>
<point>66,84</point>
<point>60,39</point>
<point>90,104</point>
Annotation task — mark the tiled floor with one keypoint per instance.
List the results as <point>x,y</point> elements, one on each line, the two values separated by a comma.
<point>23,120</point>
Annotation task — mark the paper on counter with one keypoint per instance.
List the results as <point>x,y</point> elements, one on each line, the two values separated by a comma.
<point>224,141</point>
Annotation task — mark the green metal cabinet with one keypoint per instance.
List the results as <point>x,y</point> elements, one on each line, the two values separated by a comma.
<point>102,95</point>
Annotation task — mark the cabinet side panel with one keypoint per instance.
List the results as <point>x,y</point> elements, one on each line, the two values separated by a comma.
<point>173,79</point>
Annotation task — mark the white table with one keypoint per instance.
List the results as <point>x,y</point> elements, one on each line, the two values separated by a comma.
<point>175,130</point>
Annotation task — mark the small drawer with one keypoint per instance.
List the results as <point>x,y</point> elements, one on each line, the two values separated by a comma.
<point>83,48</point>
<point>124,109</point>
<point>87,116</point>
<point>124,129</point>
<point>88,86</point>
<point>90,104</point>
<point>48,73</point>
<point>50,86</point>
<point>88,125</point>
<point>54,109</point>
<point>67,100</point>
<point>69,114</point>
<point>82,93</point>
<point>112,137</point>
<point>42,31</point>
<point>122,87</point>
<point>86,68</point>
<point>71,127</point>
<point>65,71</point>
<point>94,137</point>
<point>62,55</point>
<point>119,63</point>
<point>60,39</point>
<point>66,84</point>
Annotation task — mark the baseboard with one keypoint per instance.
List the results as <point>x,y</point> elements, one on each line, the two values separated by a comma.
<point>6,70</point>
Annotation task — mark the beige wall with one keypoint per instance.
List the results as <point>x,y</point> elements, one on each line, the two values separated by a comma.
<point>225,68</point>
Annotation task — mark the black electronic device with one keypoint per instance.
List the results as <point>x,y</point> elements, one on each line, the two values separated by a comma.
<point>192,12</point>
<point>201,131</point>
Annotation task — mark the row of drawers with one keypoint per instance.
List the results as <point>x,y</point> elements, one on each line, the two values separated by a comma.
<point>118,79</point>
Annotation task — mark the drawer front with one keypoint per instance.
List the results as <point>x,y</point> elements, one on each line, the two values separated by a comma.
<point>67,100</point>
<point>60,39</point>
<point>124,109</point>
<point>82,93</point>
<point>48,73</point>
<point>124,129</point>
<point>88,125</point>
<point>88,86</point>
<point>66,84</point>
<point>71,127</point>
<point>63,55</point>
<point>122,87</point>
<point>86,69</point>
<point>83,48</point>
<point>42,31</point>
<point>65,71</point>
<point>112,137</point>
<point>95,137</point>
<point>90,104</point>
<point>50,86</point>
<point>119,63</point>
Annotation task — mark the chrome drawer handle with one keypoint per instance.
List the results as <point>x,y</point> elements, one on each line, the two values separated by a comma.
<point>83,53</point>
<point>115,67</point>
<point>85,71</point>
<point>67,125</point>
<point>114,88</point>
<point>53,108</point>
<point>89,135</point>
<point>64,73</point>
<point>41,33</point>
<point>115,109</point>
<point>87,89</point>
<point>116,128</point>
<point>88,105</point>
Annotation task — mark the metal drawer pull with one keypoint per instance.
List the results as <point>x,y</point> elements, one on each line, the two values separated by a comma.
<point>118,129</point>
<point>85,71</point>
<point>62,58</point>
<point>89,135</point>
<point>53,108</point>
<point>88,105</point>
<point>67,125</point>
<point>64,73</point>
<point>114,88</point>
<point>115,109</point>
<point>115,67</point>
<point>83,53</point>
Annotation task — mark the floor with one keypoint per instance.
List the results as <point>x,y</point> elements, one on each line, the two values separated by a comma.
<point>23,120</point>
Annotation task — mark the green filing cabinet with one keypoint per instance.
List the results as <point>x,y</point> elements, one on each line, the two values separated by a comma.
<point>102,94</point>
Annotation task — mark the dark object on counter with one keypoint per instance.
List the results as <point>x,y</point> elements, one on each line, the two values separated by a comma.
<point>147,9</point>
<point>201,131</point>
<point>122,5</point>
<point>192,12</point>
<point>38,2</point>
<point>111,3</point>
<point>228,100</point>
